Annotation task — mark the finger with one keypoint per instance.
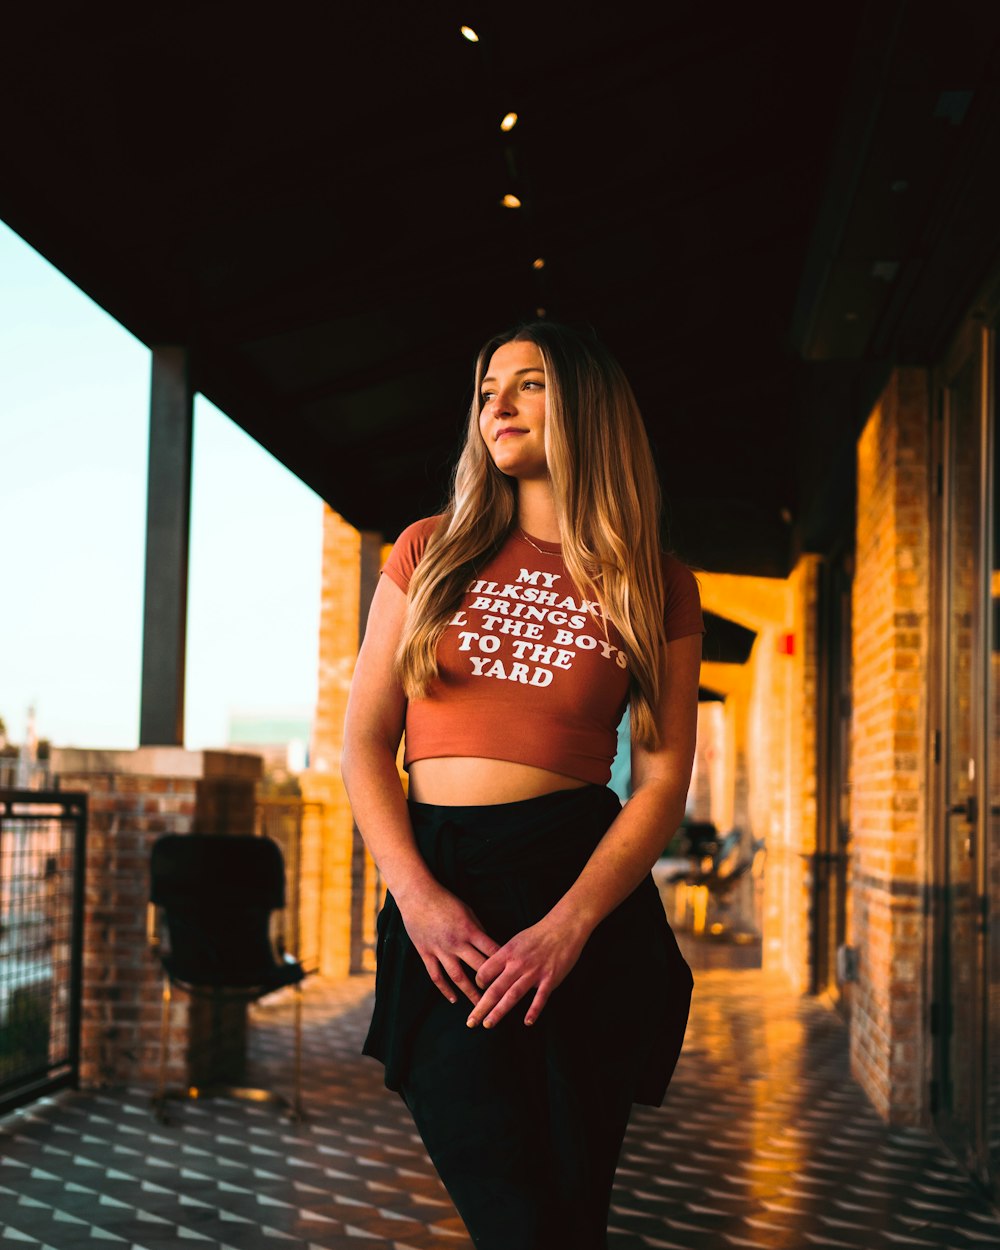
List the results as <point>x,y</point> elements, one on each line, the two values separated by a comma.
<point>489,1000</point>
<point>458,975</point>
<point>481,938</point>
<point>472,957</point>
<point>484,943</point>
<point>537,1003</point>
<point>487,945</point>
<point>510,999</point>
<point>491,968</point>
<point>439,979</point>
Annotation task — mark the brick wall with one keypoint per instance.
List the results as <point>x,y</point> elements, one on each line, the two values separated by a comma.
<point>133,798</point>
<point>888,761</point>
<point>351,563</point>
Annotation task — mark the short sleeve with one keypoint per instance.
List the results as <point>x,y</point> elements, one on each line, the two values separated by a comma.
<point>407,551</point>
<point>681,601</point>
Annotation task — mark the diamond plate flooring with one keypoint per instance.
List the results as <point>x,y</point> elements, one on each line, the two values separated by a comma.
<point>764,1141</point>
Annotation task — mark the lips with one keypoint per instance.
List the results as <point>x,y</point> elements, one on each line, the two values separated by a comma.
<point>509,429</point>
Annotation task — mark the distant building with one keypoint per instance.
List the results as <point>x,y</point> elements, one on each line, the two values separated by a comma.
<point>279,736</point>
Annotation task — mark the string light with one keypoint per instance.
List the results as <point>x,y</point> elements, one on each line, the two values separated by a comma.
<point>470,34</point>
<point>539,263</point>
<point>509,122</point>
<point>510,201</point>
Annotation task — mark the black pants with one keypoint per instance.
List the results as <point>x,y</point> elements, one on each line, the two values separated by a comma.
<point>524,1125</point>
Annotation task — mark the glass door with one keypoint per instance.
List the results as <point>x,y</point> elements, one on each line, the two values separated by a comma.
<point>990,788</point>
<point>958,1016</point>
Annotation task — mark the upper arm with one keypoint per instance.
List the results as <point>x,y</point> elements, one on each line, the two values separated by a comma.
<point>376,705</point>
<point>676,716</point>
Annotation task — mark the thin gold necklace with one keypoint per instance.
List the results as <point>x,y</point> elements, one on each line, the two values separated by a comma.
<point>540,550</point>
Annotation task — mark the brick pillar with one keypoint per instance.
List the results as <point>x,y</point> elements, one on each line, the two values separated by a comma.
<point>351,562</point>
<point>888,764</point>
<point>700,795</point>
<point>773,803</point>
<point>771,758</point>
<point>737,748</point>
<point>133,798</point>
<point>801,842</point>
<point>736,756</point>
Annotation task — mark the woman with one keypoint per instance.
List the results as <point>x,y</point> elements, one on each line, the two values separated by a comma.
<point>508,636</point>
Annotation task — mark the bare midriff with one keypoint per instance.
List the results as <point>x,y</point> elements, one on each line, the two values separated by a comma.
<point>458,780</point>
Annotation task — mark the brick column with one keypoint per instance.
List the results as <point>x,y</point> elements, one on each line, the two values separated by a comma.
<point>700,797</point>
<point>888,763</point>
<point>771,762</point>
<point>133,798</point>
<point>351,562</point>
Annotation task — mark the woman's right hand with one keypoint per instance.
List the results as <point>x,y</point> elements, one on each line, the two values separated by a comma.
<point>448,938</point>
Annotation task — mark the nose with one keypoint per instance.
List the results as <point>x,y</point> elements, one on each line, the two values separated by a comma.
<point>503,403</point>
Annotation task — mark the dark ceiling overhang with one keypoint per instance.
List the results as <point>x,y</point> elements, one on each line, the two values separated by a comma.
<point>310,201</point>
<point>907,224</point>
<point>726,641</point>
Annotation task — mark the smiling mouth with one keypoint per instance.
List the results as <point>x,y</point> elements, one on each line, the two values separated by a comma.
<point>509,430</point>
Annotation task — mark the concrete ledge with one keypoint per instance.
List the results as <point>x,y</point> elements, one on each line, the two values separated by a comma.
<point>157,762</point>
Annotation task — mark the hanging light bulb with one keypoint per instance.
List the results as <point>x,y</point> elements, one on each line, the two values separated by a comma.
<point>510,201</point>
<point>509,122</point>
<point>470,34</point>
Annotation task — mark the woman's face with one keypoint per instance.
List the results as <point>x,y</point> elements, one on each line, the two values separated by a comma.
<point>512,420</point>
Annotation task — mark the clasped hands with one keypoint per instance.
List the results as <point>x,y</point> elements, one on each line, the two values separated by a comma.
<point>450,941</point>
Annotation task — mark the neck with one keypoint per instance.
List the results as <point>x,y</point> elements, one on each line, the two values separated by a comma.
<point>536,510</point>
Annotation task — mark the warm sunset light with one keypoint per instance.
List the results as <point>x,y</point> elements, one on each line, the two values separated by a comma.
<point>679,601</point>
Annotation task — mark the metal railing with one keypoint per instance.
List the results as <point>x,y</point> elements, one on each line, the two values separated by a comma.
<point>42,855</point>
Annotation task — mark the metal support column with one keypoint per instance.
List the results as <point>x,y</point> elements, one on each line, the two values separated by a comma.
<point>168,512</point>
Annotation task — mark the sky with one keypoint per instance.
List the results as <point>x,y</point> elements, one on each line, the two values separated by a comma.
<point>74,428</point>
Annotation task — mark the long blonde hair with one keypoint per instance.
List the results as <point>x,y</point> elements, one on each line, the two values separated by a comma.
<point>607,499</point>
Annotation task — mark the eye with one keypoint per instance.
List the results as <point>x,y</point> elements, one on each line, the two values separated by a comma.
<point>539,385</point>
<point>486,396</point>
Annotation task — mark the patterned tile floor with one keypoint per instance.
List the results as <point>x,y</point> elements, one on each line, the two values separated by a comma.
<point>764,1141</point>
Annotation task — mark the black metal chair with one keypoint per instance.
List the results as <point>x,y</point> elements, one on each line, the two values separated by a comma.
<point>216,894</point>
<point>712,870</point>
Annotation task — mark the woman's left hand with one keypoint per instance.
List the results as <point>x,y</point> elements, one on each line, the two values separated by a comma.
<point>538,958</point>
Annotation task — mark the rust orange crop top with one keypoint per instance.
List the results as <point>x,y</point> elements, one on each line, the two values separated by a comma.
<point>524,672</point>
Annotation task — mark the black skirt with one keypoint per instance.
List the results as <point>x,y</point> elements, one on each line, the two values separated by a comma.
<point>625,1001</point>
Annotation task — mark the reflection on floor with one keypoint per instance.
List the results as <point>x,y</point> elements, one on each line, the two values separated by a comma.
<point>764,1142</point>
